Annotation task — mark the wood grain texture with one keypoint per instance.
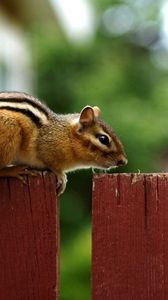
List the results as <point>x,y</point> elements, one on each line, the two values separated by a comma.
<point>130,237</point>
<point>29,239</point>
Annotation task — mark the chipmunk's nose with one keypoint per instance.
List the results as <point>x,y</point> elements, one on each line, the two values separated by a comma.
<point>122,161</point>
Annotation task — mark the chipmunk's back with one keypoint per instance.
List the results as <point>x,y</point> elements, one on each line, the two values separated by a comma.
<point>25,104</point>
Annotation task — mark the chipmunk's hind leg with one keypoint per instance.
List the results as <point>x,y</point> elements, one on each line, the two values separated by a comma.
<point>10,140</point>
<point>10,143</point>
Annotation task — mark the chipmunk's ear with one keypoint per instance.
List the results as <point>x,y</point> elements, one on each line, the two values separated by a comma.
<point>87,116</point>
<point>97,111</point>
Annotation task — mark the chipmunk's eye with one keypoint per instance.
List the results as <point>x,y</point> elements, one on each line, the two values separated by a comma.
<point>104,139</point>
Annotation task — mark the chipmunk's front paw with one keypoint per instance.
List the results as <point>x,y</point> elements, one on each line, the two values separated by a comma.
<point>61,183</point>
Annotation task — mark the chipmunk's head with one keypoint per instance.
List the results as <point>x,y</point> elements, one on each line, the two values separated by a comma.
<point>98,145</point>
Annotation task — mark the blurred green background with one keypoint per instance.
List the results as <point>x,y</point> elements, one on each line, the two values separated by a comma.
<point>119,63</point>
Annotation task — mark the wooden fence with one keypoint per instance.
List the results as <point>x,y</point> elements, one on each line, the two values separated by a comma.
<point>129,238</point>
<point>29,239</point>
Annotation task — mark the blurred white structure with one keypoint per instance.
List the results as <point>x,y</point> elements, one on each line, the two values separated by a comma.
<point>164,30</point>
<point>77,18</point>
<point>15,59</point>
<point>159,52</point>
<point>16,67</point>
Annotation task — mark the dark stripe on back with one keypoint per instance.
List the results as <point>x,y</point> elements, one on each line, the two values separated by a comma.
<point>34,103</point>
<point>26,112</point>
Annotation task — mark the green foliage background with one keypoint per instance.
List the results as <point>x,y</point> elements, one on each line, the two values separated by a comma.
<point>118,76</point>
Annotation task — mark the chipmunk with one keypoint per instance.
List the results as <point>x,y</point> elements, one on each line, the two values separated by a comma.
<point>32,135</point>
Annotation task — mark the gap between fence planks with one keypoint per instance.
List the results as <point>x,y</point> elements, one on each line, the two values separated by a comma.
<point>130,237</point>
<point>29,239</point>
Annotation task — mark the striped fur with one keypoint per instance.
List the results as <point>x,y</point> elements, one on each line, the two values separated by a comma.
<point>26,104</point>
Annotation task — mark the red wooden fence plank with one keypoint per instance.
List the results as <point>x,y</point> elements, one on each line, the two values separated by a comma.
<point>130,237</point>
<point>29,239</point>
